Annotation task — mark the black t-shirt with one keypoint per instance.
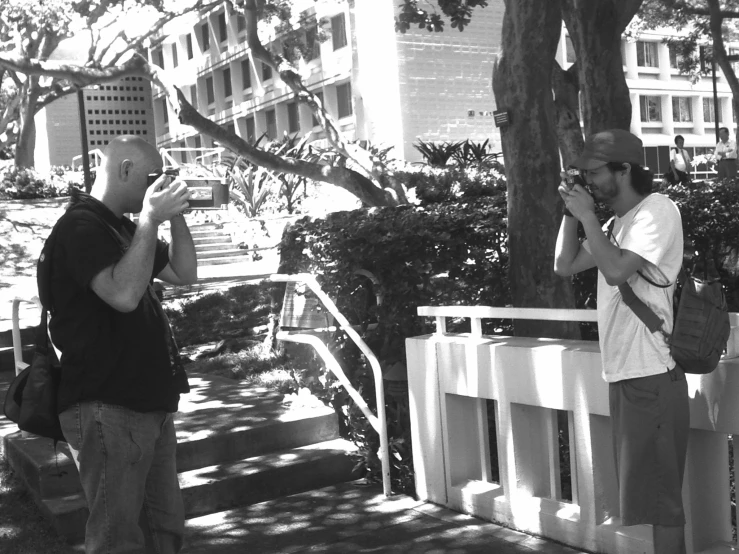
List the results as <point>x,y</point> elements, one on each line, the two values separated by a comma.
<point>114,357</point>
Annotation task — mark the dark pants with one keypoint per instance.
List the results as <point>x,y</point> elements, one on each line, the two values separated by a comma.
<point>650,418</point>
<point>127,466</point>
<point>726,169</point>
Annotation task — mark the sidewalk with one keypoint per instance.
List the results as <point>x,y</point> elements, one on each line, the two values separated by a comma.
<point>356,519</point>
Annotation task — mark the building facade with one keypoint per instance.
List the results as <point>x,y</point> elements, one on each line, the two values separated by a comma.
<point>665,103</point>
<point>121,107</point>
<point>388,88</point>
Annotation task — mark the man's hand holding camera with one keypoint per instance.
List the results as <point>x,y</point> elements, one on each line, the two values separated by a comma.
<point>578,200</point>
<point>166,198</point>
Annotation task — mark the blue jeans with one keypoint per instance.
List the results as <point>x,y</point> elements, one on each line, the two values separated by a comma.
<point>127,466</point>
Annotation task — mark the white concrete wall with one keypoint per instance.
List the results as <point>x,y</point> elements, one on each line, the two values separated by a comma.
<point>450,378</point>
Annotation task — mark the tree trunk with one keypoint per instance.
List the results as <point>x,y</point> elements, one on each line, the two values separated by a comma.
<point>595,27</point>
<point>531,30</point>
<point>24,148</point>
<point>567,112</point>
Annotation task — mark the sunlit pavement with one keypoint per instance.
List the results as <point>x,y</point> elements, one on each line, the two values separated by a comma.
<point>350,518</point>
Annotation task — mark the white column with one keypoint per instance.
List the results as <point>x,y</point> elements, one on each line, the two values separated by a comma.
<point>668,126</point>
<point>632,71</point>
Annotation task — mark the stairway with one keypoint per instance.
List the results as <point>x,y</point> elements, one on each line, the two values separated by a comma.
<point>213,246</point>
<point>238,445</point>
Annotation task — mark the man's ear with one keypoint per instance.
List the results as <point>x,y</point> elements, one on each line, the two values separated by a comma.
<point>626,168</point>
<point>125,169</point>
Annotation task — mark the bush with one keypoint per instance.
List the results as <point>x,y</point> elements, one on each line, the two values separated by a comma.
<point>434,185</point>
<point>24,184</point>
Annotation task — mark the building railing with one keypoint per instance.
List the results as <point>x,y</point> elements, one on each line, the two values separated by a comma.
<point>470,391</point>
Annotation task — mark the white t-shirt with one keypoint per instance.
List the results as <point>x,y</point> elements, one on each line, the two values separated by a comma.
<point>653,230</point>
<point>680,158</point>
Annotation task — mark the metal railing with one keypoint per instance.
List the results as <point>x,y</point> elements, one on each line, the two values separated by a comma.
<point>379,421</point>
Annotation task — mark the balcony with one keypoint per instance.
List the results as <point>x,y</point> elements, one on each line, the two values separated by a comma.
<point>453,377</point>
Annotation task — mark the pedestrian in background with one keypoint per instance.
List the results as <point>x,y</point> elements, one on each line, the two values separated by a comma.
<point>725,153</point>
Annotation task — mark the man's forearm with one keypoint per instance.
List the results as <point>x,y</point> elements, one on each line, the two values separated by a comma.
<point>567,247</point>
<point>182,257</point>
<point>606,254</point>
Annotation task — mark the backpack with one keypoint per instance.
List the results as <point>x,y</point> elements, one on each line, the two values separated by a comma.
<point>31,399</point>
<point>701,325</point>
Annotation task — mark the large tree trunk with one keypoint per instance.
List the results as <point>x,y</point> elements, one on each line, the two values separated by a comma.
<point>595,27</point>
<point>567,112</point>
<point>24,148</point>
<point>531,30</point>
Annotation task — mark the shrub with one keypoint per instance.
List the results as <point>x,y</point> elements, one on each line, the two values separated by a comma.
<point>23,184</point>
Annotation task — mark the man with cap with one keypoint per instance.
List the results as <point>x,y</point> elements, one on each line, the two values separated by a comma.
<point>648,394</point>
<point>725,153</point>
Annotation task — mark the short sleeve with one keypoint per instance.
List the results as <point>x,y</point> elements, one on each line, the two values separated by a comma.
<point>85,247</point>
<point>653,230</point>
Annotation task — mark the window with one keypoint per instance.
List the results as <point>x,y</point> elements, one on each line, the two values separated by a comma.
<point>164,111</point>
<point>205,36</point>
<point>320,97</point>
<point>708,111</point>
<point>190,53</point>
<point>271,117</point>
<point>246,73</point>
<point>646,54</point>
<point>222,27</point>
<point>194,96</point>
<point>251,129</point>
<point>650,109</point>
<point>159,57</point>
<point>569,50</point>
<point>227,82</point>
<point>210,93</point>
<point>344,99</point>
<point>338,31</point>
<point>240,23</point>
<point>198,144</point>
<point>266,72</point>
<point>174,56</point>
<point>293,117</point>
<point>676,57</point>
<point>313,47</point>
<point>231,128</point>
<point>682,109</point>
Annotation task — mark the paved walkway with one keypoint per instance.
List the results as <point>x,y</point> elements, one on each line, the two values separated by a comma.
<point>349,518</point>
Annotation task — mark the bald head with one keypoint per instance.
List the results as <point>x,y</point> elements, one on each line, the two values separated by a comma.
<point>121,182</point>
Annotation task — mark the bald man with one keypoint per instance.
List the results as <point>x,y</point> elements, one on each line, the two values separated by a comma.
<point>121,376</point>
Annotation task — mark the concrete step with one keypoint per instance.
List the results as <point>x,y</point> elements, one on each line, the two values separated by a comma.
<point>213,247</point>
<point>224,486</point>
<point>237,445</point>
<point>261,425</point>
<point>231,252</point>
<point>232,259</point>
<point>196,235</point>
<point>218,239</point>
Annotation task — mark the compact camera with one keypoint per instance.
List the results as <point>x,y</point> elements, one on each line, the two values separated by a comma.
<point>573,178</point>
<point>205,194</point>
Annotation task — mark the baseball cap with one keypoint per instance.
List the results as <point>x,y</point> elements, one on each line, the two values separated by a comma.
<point>613,145</point>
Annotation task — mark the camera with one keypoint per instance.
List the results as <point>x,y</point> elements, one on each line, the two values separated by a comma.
<point>205,193</point>
<point>573,178</point>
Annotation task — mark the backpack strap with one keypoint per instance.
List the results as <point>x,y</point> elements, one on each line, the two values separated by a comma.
<point>646,314</point>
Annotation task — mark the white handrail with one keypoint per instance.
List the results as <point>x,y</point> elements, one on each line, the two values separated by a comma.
<point>380,422</point>
<point>20,365</point>
<point>478,313</point>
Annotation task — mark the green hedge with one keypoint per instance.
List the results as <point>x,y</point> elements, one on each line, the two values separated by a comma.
<point>26,184</point>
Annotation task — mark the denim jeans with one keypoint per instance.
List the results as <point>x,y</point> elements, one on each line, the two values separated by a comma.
<point>127,466</point>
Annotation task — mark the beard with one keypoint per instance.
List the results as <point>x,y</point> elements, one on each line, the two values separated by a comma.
<point>606,191</point>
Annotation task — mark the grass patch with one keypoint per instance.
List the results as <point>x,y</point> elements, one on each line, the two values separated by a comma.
<point>23,530</point>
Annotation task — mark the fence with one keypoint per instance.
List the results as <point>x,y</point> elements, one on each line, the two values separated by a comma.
<point>457,382</point>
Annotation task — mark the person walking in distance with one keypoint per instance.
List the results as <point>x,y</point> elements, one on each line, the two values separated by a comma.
<point>121,375</point>
<point>725,153</point>
<point>648,393</point>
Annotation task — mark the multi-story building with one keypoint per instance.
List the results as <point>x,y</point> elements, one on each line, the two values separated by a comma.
<point>388,88</point>
<point>665,103</point>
